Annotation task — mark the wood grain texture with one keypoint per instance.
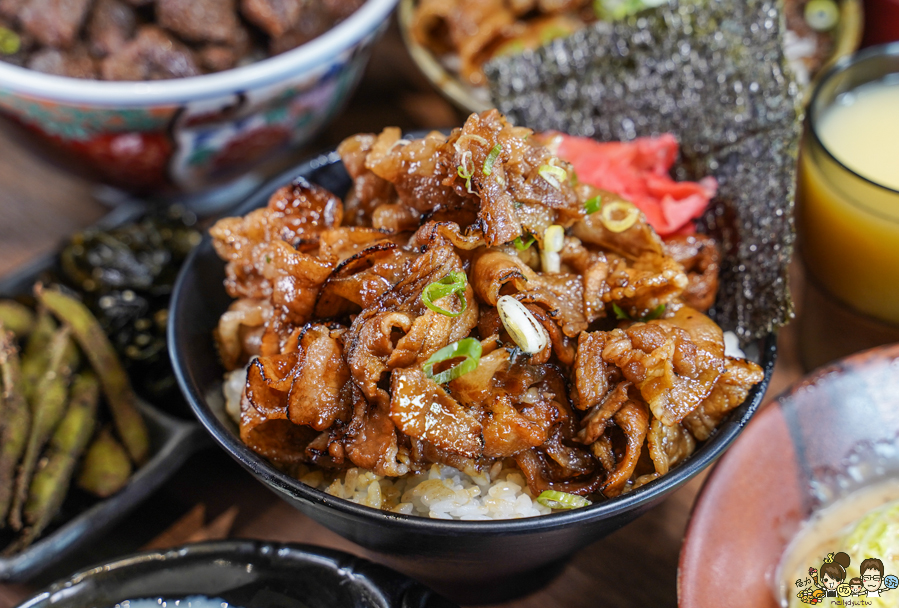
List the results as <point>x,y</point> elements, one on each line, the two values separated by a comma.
<point>39,206</point>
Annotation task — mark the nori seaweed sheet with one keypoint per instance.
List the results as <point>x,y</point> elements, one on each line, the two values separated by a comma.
<point>712,72</point>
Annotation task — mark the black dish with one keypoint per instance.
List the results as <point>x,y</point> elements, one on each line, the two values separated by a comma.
<point>467,561</point>
<point>172,440</point>
<point>246,574</point>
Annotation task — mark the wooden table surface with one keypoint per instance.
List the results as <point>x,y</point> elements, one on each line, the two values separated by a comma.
<point>39,206</point>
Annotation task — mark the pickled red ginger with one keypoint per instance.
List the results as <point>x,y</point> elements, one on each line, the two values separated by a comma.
<point>639,171</point>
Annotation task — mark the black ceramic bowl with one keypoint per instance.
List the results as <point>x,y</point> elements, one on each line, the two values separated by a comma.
<point>468,561</point>
<point>245,574</point>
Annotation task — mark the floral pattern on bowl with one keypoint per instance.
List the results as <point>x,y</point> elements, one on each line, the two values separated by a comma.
<point>188,135</point>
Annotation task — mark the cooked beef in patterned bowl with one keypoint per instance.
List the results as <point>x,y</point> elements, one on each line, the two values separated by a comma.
<point>178,96</point>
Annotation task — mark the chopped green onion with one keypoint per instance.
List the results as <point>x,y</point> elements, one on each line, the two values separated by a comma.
<point>614,10</point>
<point>465,170</point>
<point>524,329</point>
<point>481,140</point>
<point>822,15</point>
<point>562,500</point>
<point>513,47</point>
<point>453,283</point>
<point>521,245</point>
<point>10,43</point>
<point>469,348</point>
<point>553,31</point>
<point>550,262</point>
<point>554,238</point>
<point>619,224</point>
<point>652,315</point>
<point>491,158</point>
<point>554,175</point>
<point>655,313</point>
<point>620,313</point>
<point>593,204</point>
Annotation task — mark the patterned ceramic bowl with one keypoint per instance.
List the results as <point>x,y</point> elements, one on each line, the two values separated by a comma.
<point>190,134</point>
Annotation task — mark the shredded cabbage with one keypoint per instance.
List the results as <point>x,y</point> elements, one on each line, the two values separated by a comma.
<point>877,535</point>
<point>874,535</point>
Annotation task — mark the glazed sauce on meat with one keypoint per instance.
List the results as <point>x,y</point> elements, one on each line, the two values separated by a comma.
<point>387,354</point>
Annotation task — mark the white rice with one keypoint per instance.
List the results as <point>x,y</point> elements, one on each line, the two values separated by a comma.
<point>441,492</point>
<point>732,345</point>
<point>232,388</point>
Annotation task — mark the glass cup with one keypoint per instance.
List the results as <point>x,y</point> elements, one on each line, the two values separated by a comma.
<point>848,229</point>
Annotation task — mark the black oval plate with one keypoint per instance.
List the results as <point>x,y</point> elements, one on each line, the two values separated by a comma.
<point>244,573</point>
<point>171,441</point>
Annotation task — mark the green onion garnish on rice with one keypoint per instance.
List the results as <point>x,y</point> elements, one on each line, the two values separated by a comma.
<point>562,500</point>
<point>469,348</point>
